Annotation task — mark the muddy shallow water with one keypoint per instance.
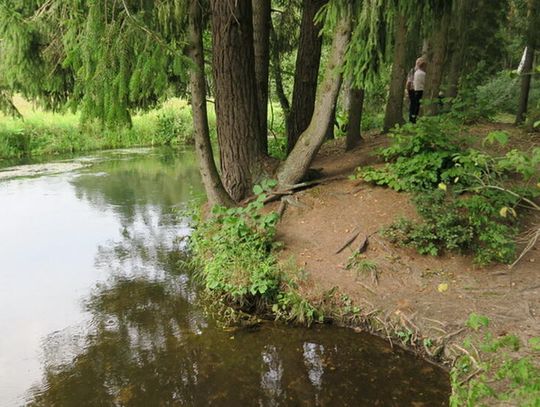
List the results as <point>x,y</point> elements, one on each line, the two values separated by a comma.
<point>97,310</point>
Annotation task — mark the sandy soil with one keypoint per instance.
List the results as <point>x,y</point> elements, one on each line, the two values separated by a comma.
<point>403,293</point>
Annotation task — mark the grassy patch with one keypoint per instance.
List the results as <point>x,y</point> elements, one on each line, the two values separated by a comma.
<point>42,133</point>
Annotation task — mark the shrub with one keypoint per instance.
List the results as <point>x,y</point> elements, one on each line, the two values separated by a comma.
<point>461,194</point>
<point>174,127</point>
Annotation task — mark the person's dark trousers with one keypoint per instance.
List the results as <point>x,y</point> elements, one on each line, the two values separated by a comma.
<point>414,110</point>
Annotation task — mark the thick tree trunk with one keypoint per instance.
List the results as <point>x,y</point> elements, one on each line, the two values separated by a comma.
<point>236,95</point>
<point>526,76</point>
<point>215,192</point>
<point>394,105</point>
<point>457,46</point>
<point>436,64</point>
<point>306,72</point>
<point>355,109</point>
<point>300,158</point>
<point>261,45</point>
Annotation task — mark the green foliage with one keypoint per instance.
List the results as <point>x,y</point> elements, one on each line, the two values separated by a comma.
<point>419,155</point>
<point>360,264</point>
<point>460,194</point>
<point>476,321</point>
<point>471,225</point>
<point>233,247</point>
<point>277,147</point>
<point>42,133</point>
<point>175,126</point>
<point>234,251</point>
<point>104,59</point>
<point>495,374</point>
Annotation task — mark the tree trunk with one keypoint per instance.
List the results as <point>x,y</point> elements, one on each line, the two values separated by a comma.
<point>457,46</point>
<point>300,158</point>
<point>354,126</point>
<point>306,72</point>
<point>394,105</point>
<point>215,192</point>
<point>436,65</point>
<point>527,72</point>
<point>276,70</point>
<point>331,125</point>
<point>236,95</point>
<point>261,45</point>
<point>526,76</point>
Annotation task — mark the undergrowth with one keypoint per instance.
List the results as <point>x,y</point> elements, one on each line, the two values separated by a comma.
<point>468,200</point>
<point>234,251</point>
<point>490,372</point>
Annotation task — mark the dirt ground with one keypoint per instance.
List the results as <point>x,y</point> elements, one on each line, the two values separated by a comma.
<point>403,293</point>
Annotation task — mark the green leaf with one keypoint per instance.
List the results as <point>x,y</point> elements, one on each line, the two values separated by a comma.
<point>257,189</point>
<point>476,321</point>
<point>534,343</point>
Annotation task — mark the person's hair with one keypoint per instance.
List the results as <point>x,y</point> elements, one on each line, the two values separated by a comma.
<point>422,65</point>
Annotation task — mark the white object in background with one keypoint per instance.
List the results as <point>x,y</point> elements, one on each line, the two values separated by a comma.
<point>522,62</point>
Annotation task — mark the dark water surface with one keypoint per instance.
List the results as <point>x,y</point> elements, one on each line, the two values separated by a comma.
<point>96,310</point>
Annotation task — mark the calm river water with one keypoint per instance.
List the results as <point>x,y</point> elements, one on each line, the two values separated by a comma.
<point>96,309</point>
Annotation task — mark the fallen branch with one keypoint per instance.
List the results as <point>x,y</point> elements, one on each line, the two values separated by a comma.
<point>350,239</point>
<point>530,245</point>
<point>282,207</point>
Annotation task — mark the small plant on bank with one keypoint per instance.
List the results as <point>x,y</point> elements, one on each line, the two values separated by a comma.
<point>233,247</point>
<point>488,372</point>
<point>234,252</point>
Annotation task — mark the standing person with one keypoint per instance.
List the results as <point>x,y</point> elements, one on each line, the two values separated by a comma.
<point>419,80</point>
<point>409,86</point>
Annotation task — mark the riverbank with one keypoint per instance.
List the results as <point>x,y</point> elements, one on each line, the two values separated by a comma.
<point>420,302</point>
<point>45,134</point>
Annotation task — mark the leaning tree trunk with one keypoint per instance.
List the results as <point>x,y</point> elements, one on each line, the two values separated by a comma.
<point>306,72</point>
<point>436,65</point>
<point>235,95</point>
<point>394,105</point>
<point>261,44</point>
<point>300,158</point>
<point>215,192</point>
<point>354,126</point>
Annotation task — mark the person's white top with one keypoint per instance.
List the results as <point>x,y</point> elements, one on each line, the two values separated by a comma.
<point>419,79</point>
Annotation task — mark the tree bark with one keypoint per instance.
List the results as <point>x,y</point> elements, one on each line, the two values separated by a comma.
<point>394,105</point>
<point>235,95</point>
<point>526,76</point>
<point>215,191</point>
<point>436,65</point>
<point>306,72</point>
<point>278,79</point>
<point>261,45</point>
<point>527,72</point>
<point>300,158</point>
<point>457,46</point>
<point>354,126</point>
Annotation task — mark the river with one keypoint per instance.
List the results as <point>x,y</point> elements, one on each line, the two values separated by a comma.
<point>97,309</point>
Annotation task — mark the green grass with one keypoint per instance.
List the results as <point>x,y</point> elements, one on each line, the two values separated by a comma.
<point>42,133</point>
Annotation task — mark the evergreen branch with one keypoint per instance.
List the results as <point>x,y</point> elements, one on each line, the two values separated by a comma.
<point>144,28</point>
